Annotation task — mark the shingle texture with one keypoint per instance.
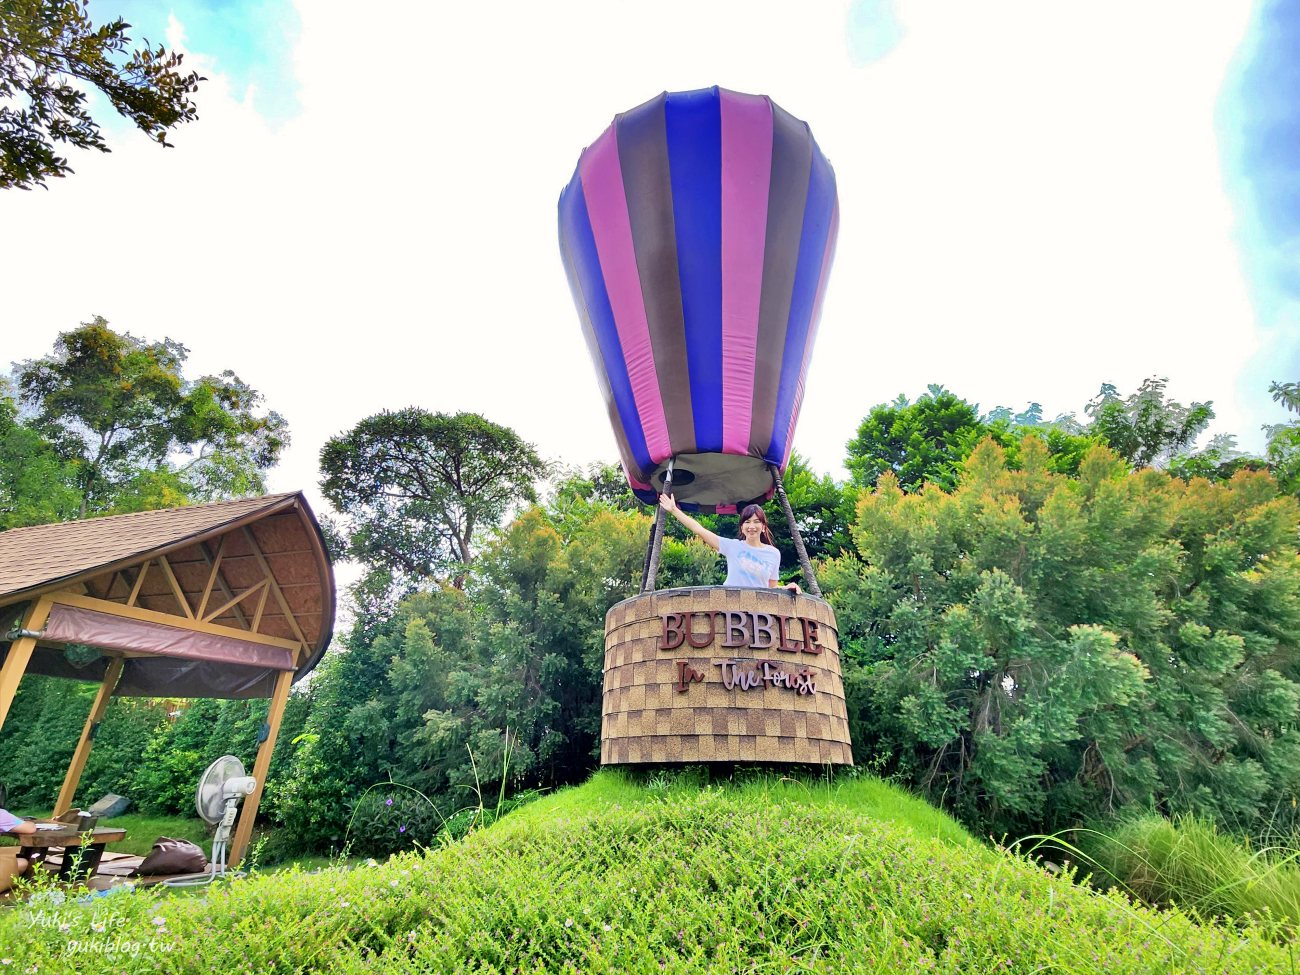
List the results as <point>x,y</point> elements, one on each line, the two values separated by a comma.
<point>42,554</point>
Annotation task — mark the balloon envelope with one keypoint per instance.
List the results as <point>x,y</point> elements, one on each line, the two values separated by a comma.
<point>697,233</point>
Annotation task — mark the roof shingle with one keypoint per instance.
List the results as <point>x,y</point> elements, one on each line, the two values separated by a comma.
<point>42,554</point>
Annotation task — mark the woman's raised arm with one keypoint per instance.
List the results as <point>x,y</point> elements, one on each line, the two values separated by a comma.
<point>669,504</point>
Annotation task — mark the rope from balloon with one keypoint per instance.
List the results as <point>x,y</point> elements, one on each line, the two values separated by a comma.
<point>805,563</point>
<point>656,536</point>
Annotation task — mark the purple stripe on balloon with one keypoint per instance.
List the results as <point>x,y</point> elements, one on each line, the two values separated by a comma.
<point>818,214</point>
<point>643,161</point>
<point>602,185</point>
<point>583,264</point>
<point>746,168</point>
<point>828,258</point>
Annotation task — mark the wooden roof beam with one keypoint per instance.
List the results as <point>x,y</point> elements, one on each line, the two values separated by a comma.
<point>177,591</point>
<point>275,588</point>
<point>226,591</point>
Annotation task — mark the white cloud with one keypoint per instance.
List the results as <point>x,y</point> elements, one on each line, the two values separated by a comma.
<point>1031,205</point>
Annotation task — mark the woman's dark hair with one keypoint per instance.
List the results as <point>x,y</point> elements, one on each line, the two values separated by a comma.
<point>751,511</point>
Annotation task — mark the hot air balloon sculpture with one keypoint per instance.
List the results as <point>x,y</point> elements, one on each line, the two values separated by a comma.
<point>697,233</point>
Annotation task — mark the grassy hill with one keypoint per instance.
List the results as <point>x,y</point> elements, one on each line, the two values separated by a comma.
<point>668,876</point>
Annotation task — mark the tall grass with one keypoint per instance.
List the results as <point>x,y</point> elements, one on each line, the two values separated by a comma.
<point>1190,863</point>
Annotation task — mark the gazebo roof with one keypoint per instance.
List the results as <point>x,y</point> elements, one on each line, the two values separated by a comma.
<point>207,600</point>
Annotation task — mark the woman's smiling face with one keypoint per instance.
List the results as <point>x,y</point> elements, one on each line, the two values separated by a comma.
<point>752,529</point>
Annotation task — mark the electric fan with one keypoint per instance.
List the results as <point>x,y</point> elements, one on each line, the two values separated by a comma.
<point>217,802</point>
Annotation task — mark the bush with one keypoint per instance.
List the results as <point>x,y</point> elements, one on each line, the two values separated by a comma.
<point>391,818</point>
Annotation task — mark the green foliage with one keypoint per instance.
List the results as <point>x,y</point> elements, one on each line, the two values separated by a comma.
<point>1146,428</point>
<point>129,727</point>
<point>434,695</point>
<point>767,877</point>
<point>1191,863</point>
<point>916,442</point>
<point>130,431</point>
<point>51,56</point>
<point>1283,449</point>
<point>37,484</point>
<point>1032,649</point>
<point>419,490</point>
<point>928,441</point>
<point>388,820</point>
<point>38,738</point>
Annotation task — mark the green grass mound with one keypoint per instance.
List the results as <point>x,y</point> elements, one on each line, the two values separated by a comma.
<point>618,877</point>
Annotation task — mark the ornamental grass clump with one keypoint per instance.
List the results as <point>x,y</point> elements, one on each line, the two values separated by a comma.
<point>1190,863</point>
<point>615,877</point>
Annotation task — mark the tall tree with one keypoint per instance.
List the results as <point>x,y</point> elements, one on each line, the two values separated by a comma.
<point>1147,428</point>
<point>1284,438</point>
<point>916,442</point>
<point>51,56</point>
<point>417,489</point>
<point>137,432</point>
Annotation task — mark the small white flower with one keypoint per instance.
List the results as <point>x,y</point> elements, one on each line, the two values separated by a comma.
<point>99,928</point>
<point>568,922</point>
<point>609,927</point>
<point>392,883</point>
<point>158,922</point>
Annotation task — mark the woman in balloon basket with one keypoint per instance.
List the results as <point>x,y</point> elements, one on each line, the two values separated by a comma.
<point>752,560</point>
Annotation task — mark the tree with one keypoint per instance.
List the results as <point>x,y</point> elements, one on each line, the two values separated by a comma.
<point>1034,649</point>
<point>50,55</point>
<point>37,484</point>
<point>917,442</point>
<point>1146,428</point>
<point>418,489</point>
<point>1283,449</point>
<point>432,692</point>
<point>136,432</point>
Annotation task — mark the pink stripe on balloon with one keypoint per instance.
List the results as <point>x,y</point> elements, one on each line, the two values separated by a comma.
<point>746,175</point>
<point>827,258</point>
<point>602,186</point>
<point>724,509</point>
<point>632,480</point>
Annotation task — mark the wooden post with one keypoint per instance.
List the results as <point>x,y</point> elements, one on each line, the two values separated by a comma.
<point>248,811</point>
<point>20,654</point>
<point>70,781</point>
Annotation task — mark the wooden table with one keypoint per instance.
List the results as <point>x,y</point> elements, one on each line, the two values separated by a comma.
<point>82,851</point>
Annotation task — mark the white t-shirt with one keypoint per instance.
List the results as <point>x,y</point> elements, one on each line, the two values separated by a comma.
<point>751,566</point>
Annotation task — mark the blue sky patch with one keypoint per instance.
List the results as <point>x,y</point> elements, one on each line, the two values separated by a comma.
<point>1259,136</point>
<point>873,31</point>
<point>249,41</point>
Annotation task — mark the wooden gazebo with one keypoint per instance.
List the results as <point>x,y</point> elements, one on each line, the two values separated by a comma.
<point>227,600</point>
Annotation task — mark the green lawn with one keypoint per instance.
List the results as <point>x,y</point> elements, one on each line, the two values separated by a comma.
<point>667,874</point>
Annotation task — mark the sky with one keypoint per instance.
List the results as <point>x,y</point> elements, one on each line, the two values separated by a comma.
<point>1035,199</point>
